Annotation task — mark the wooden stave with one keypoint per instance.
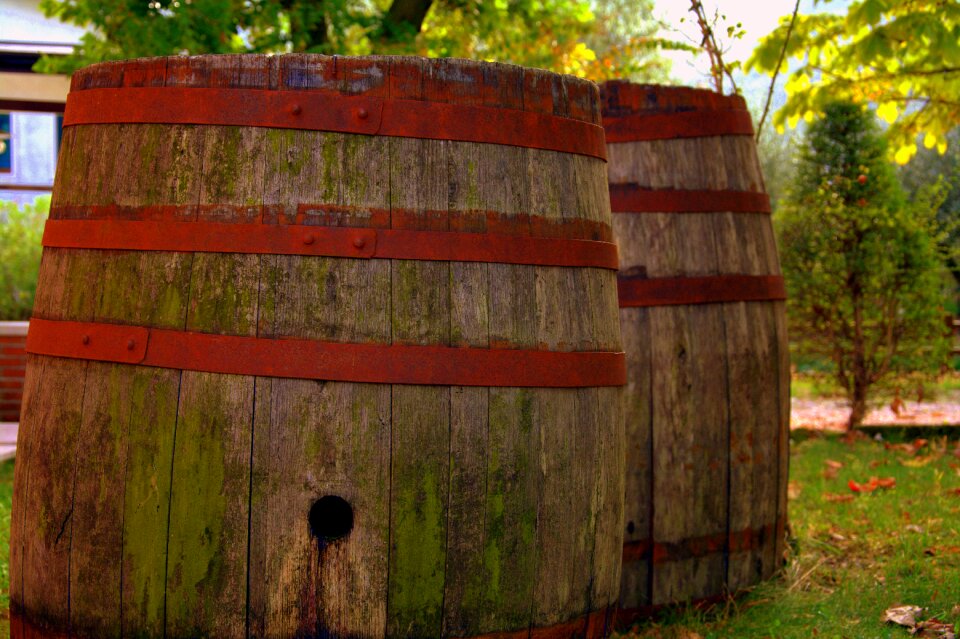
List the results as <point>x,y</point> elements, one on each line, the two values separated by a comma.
<point>658,164</point>
<point>182,270</point>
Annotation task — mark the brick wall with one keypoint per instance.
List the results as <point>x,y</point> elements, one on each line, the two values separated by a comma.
<point>13,361</point>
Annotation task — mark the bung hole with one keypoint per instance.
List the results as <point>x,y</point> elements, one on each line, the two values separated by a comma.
<point>330,518</point>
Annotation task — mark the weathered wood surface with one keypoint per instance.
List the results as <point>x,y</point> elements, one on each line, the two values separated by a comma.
<point>176,503</point>
<point>707,394</point>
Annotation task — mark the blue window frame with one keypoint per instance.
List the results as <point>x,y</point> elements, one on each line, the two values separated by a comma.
<point>6,152</point>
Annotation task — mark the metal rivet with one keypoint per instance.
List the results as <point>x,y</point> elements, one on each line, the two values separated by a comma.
<point>295,109</point>
<point>309,238</point>
<point>130,344</point>
<point>359,242</point>
<point>85,339</point>
<point>362,113</point>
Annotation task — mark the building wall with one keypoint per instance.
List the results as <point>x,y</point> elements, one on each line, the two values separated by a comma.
<point>13,364</point>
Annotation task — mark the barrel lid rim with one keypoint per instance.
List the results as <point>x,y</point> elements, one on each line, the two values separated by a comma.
<point>583,83</point>
<point>678,99</point>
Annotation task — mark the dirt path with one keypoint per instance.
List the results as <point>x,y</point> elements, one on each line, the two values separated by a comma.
<point>831,414</point>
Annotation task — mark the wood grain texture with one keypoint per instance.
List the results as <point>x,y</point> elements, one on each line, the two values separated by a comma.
<point>475,510</point>
<point>420,436</point>
<point>705,396</point>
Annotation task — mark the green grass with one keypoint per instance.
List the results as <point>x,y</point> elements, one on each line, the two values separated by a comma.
<point>851,560</point>
<point>6,496</point>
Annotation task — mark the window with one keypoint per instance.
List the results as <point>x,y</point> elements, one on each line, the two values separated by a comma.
<point>5,143</point>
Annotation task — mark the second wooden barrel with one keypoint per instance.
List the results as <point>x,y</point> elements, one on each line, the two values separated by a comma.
<point>702,316</point>
<point>323,347</point>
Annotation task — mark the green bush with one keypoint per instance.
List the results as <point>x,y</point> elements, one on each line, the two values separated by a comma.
<point>21,229</point>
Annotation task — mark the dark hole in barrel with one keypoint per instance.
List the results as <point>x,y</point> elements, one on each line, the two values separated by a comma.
<point>331,518</point>
<point>630,528</point>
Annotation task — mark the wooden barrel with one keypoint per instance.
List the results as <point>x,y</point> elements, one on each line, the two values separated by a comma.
<point>702,317</point>
<point>323,347</point>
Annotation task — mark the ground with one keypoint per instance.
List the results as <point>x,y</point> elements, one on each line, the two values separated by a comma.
<point>854,554</point>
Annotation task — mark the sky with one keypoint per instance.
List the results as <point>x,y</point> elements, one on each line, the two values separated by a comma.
<point>758,17</point>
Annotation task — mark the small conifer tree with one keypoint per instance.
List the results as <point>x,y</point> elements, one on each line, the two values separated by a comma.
<point>862,264</point>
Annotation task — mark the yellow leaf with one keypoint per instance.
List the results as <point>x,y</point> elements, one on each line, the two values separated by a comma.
<point>888,112</point>
<point>793,121</point>
<point>929,141</point>
<point>904,87</point>
<point>904,153</point>
<point>942,148</point>
<point>808,117</point>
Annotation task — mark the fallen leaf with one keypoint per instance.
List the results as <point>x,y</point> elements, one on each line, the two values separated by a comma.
<point>831,463</point>
<point>913,528</point>
<point>930,552</point>
<point>837,498</point>
<point>794,488</point>
<point>872,484</point>
<point>954,491</point>
<point>934,629</point>
<point>955,611</point>
<point>901,615</point>
<point>918,462</point>
<point>860,488</point>
<point>920,443</point>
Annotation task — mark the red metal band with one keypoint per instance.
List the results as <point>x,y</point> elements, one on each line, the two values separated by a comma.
<point>663,552</point>
<point>327,214</point>
<point>217,237</point>
<point>671,291</point>
<point>667,126</point>
<point>630,198</point>
<point>321,111</point>
<point>312,359</point>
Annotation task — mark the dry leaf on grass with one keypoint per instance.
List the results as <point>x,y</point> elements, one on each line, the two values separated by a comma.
<point>794,489</point>
<point>838,498</point>
<point>934,629</point>
<point>907,616</point>
<point>873,484</point>
<point>901,615</point>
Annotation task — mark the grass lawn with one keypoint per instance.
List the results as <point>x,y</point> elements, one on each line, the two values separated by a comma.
<point>6,496</point>
<point>854,555</point>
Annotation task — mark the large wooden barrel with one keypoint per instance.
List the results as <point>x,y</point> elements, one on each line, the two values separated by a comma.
<point>323,347</point>
<point>702,316</point>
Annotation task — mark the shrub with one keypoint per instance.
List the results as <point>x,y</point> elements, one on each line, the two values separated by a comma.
<point>21,229</point>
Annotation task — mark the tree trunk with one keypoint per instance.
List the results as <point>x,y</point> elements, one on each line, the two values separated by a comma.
<point>407,14</point>
<point>858,403</point>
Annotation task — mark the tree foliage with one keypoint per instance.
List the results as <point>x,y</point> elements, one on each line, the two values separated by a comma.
<point>901,55</point>
<point>598,39</point>
<point>863,265</point>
